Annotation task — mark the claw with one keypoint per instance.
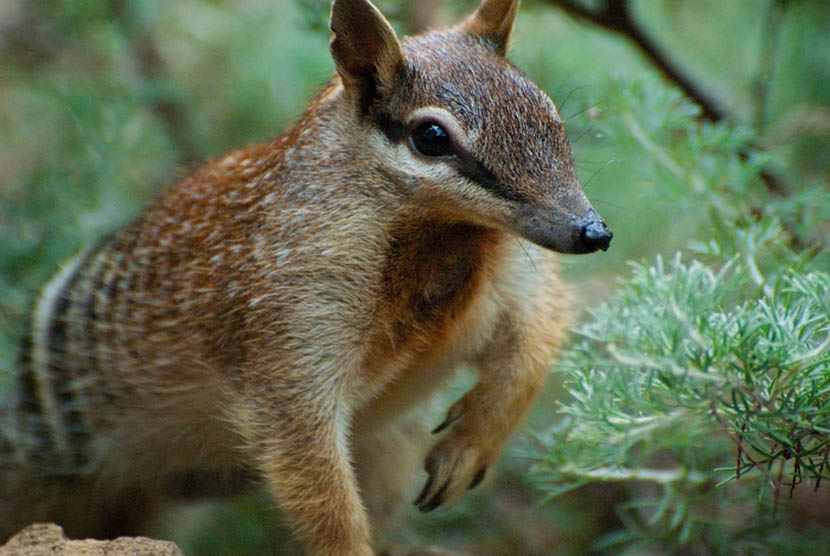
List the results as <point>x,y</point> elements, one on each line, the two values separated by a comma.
<point>435,501</point>
<point>479,476</point>
<point>441,427</point>
<point>453,415</point>
<point>424,492</point>
<point>428,504</point>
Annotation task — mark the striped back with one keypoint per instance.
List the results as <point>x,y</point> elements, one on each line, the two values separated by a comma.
<point>65,356</point>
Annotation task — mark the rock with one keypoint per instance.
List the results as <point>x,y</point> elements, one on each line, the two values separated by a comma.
<point>47,539</point>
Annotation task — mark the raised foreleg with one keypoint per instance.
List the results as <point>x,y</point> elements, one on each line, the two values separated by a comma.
<point>513,367</point>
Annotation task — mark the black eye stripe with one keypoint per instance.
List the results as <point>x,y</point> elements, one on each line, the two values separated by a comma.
<point>464,162</point>
<point>395,130</point>
<point>477,172</point>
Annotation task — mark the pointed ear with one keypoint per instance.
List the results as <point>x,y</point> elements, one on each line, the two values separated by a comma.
<point>365,48</point>
<point>493,21</point>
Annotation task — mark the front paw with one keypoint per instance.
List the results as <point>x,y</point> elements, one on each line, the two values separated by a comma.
<point>455,465</point>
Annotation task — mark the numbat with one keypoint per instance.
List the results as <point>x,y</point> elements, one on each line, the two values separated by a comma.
<point>283,314</point>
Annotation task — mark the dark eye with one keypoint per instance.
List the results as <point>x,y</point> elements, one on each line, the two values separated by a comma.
<point>430,139</point>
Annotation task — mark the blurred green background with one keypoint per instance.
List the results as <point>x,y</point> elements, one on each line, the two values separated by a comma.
<point>103,102</point>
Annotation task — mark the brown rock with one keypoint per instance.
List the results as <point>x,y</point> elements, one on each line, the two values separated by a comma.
<point>47,539</point>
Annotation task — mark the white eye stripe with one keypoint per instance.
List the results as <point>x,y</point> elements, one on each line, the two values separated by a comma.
<point>445,119</point>
<point>401,157</point>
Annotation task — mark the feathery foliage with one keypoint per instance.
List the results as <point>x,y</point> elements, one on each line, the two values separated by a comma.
<point>703,384</point>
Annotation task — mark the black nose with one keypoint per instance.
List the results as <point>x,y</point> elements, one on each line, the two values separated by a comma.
<point>595,235</point>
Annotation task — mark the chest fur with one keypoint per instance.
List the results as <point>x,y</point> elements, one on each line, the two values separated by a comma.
<point>433,273</point>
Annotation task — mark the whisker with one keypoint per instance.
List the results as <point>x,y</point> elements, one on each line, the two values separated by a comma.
<point>598,170</point>
<point>519,241</point>
<point>596,201</point>
<point>598,103</point>
<point>583,134</point>
<point>562,104</point>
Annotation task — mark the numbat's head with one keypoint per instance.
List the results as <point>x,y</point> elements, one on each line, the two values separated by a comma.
<point>462,127</point>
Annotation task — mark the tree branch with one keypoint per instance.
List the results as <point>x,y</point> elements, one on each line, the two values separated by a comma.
<point>771,36</point>
<point>150,65</point>
<point>615,16</point>
<point>743,449</point>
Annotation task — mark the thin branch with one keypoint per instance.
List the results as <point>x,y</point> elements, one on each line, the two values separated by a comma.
<point>736,439</point>
<point>739,459</point>
<point>173,114</point>
<point>616,474</point>
<point>616,16</point>
<point>778,482</point>
<point>771,36</point>
<point>821,468</point>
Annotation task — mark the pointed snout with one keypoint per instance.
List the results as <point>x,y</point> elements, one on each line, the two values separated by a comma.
<point>559,230</point>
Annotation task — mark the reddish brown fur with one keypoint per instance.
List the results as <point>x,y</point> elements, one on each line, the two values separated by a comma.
<point>287,310</point>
